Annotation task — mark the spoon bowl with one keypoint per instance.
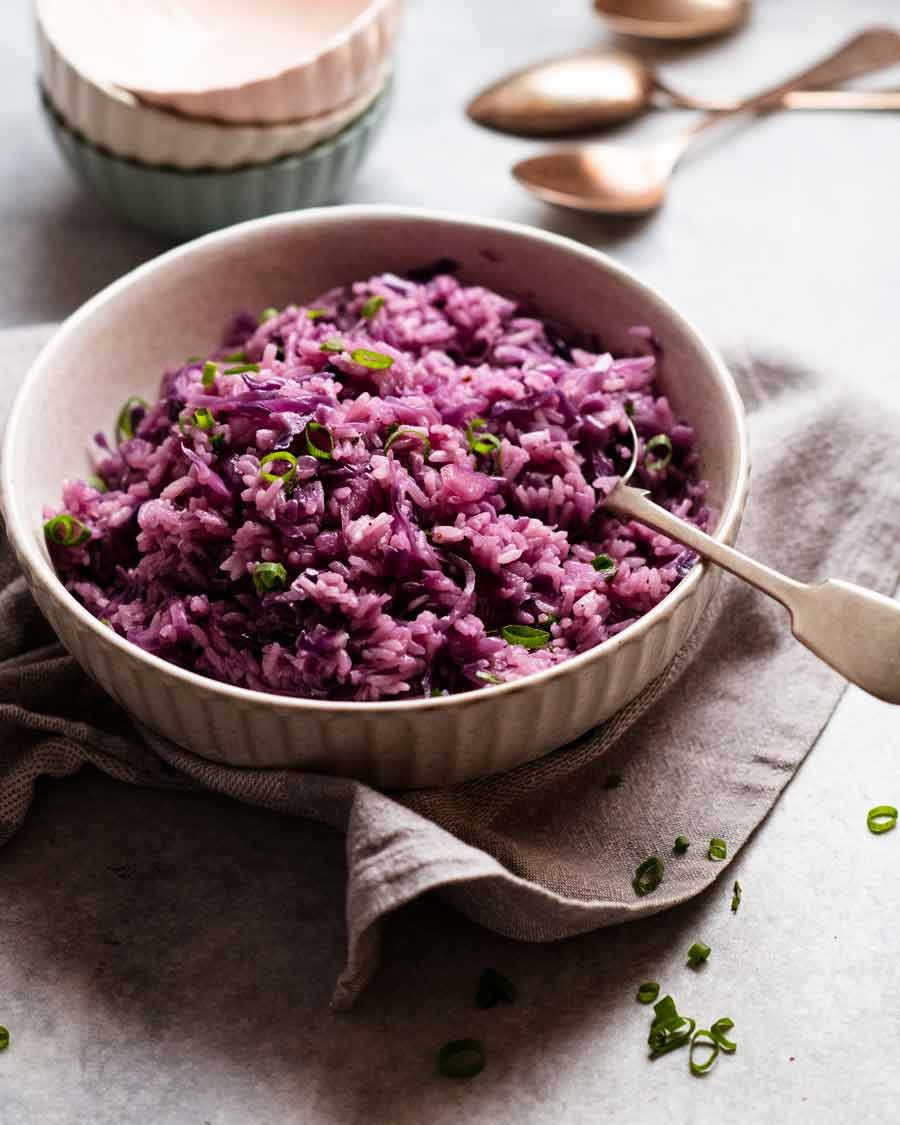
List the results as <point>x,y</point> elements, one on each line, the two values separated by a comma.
<point>674,19</point>
<point>607,179</point>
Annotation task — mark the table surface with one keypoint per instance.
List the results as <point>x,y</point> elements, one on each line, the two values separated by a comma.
<point>168,958</point>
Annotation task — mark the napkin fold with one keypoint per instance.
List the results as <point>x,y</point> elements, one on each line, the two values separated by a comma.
<point>547,850</point>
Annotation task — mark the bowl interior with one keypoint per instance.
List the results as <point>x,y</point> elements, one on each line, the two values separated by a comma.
<point>120,342</point>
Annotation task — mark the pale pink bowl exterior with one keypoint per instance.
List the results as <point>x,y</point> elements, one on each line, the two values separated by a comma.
<point>119,342</point>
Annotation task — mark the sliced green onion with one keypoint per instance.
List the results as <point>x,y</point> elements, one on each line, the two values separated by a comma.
<point>494,988</point>
<point>881,819</point>
<point>657,463</point>
<point>648,875</point>
<point>681,845</point>
<point>66,531</point>
<point>665,1010</point>
<point>406,431</point>
<point>717,1031</point>
<point>461,1058</point>
<point>669,1030</point>
<point>698,953</point>
<point>316,314</point>
<point>375,361</point>
<point>267,314</point>
<point>193,359</point>
<point>648,992</point>
<point>124,423</point>
<point>216,440</point>
<point>708,1043</point>
<point>604,565</point>
<point>371,307</point>
<point>97,483</point>
<point>210,371</point>
<point>481,442</point>
<point>548,619</point>
<point>489,678</point>
<point>525,635</point>
<point>332,345</point>
<point>240,356</point>
<point>628,407</point>
<point>736,897</point>
<point>241,368</point>
<point>203,419</point>
<point>718,849</point>
<point>632,464</point>
<point>4,1038</point>
<point>614,781</point>
<point>324,453</point>
<point>272,458</point>
<point>268,576</point>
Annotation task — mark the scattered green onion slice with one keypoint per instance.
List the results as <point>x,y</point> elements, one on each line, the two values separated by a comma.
<point>375,361</point>
<point>494,988</point>
<point>648,875</point>
<point>717,1031</point>
<point>669,1030</point>
<point>481,442</point>
<point>648,992</point>
<point>548,619</point>
<point>97,483</point>
<point>239,356</point>
<point>124,423</point>
<point>66,531</point>
<point>272,458</point>
<point>656,463</point>
<point>614,781</point>
<point>241,368</point>
<point>267,314</point>
<point>203,419</point>
<point>371,307</point>
<point>718,849</point>
<point>735,897</point>
<point>4,1038</point>
<point>332,345</point>
<point>316,314</point>
<point>407,431</point>
<point>323,452</point>
<point>525,635</point>
<point>698,953</point>
<point>268,576</point>
<point>489,678</point>
<point>210,371</point>
<point>708,1043</point>
<point>881,819</point>
<point>461,1058</point>
<point>632,464</point>
<point>604,565</point>
<point>681,845</point>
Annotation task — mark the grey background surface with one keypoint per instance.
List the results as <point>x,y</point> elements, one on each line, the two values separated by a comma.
<point>168,958</point>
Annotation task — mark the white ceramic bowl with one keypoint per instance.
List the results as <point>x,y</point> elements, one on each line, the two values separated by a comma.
<point>120,341</point>
<point>266,62</point>
<point>114,120</point>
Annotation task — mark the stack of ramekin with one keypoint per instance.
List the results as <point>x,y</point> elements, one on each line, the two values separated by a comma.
<point>191,162</point>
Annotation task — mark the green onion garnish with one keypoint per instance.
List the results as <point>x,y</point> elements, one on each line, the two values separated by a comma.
<point>461,1058</point>
<point>628,407</point>
<point>268,576</point>
<point>483,442</point>
<point>614,781</point>
<point>718,849</point>
<point>332,345</point>
<point>698,953</point>
<point>708,1043</point>
<point>406,431</point>
<point>203,419</point>
<point>239,356</point>
<point>604,565</point>
<point>272,458</point>
<point>4,1038</point>
<point>210,371</point>
<point>193,359</point>
<point>669,1030</point>
<point>494,988</point>
<point>66,531</point>
<point>97,483</point>
<point>717,1031</point>
<point>525,635</point>
<point>316,314</point>
<point>371,307</point>
<point>736,897</point>
<point>375,361</point>
<point>656,463</point>
<point>489,678</point>
<point>648,875</point>
<point>324,453</point>
<point>124,423</point>
<point>681,845</point>
<point>267,314</point>
<point>881,819</point>
<point>241,368</point>
<point>648,992</point>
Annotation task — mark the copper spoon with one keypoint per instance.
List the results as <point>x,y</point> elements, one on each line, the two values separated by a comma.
<point>854,630</point>
<point>595,89</point>
<point>674,19</point>
<point>614,179</point>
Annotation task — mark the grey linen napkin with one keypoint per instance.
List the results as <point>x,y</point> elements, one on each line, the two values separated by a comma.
<point>548,850</point>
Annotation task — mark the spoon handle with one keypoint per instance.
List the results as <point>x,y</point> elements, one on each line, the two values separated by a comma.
<point>854,630</point>
<point>861,101</point>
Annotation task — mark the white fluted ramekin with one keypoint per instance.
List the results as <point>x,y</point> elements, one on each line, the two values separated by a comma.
<point>114,120</point>
<point>118,343</point>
